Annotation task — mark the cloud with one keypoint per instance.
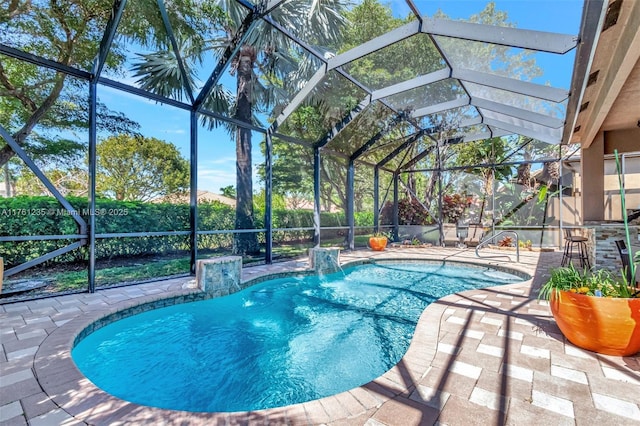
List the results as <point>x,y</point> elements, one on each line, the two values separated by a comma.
<point>212,179</point>
<point>230,160</point>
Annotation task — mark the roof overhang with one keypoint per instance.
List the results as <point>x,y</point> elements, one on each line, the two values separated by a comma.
<point>609,98</point>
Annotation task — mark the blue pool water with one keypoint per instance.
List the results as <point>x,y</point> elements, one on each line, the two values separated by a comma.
<point>277,343</point>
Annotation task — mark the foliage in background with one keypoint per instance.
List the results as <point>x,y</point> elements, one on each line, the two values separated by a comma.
<point>23,216</point>
<point>410,212</point>
<point>136,168</point>
<point>50,103</point>
<point>454,206</point>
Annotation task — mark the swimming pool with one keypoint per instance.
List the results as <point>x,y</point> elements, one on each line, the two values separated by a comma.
<point>277,343</point>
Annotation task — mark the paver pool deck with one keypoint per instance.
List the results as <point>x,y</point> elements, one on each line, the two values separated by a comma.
<point>481,357</point>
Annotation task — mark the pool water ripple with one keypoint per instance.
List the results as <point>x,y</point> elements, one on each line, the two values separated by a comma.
<point>277,343</point>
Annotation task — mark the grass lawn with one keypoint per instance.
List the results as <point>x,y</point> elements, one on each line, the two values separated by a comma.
<point>74,277</point>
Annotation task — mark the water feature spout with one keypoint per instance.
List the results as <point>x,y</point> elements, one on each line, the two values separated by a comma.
<point>324,260</point>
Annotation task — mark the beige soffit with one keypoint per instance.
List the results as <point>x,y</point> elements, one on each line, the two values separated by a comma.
<point>614,98</point>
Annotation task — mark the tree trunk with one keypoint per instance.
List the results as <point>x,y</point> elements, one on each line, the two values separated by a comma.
<point>488,190</point>
<point>524,176</point>
<point>245,243</point>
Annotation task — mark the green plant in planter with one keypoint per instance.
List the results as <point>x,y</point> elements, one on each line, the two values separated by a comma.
<point>599,283</point>
<point>379,240</point>
<point>387,235</point>
<point>595,310</point>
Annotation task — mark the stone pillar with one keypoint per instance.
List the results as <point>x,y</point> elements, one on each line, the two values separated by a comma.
<point>219,276</point>
<point>601,246</point>
<point>592,173</point>
<point>324,260</point>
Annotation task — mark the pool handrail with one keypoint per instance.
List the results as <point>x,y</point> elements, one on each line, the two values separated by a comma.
<point>490,238</point>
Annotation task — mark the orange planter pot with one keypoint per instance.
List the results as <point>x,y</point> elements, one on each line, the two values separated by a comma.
<point>378,243</point>
<point>604,325</point>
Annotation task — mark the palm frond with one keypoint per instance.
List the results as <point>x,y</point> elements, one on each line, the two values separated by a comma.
<point>220,101</point>
<point>159,73</point>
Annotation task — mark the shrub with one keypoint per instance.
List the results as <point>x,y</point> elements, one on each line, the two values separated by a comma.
<point>453,206</point>
<point>32,216</point>
<point>410,212</point>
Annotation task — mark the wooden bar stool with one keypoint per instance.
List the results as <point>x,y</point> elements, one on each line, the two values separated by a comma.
<point>575,247</point>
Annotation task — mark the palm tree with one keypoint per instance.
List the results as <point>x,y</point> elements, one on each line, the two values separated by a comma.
<point>282,70</point>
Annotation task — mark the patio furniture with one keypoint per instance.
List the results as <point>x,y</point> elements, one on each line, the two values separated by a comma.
<point>575,247</point>
<point>476,232</point>
<point>462,232</point>
<point>624,257</point>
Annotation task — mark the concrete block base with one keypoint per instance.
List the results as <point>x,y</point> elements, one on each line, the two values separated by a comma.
<point>219,276</point>
<point>324,259</point>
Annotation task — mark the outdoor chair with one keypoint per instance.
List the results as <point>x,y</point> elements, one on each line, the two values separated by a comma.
<point>476,232</point>
<point>450,237</point>
<point>577,243</point>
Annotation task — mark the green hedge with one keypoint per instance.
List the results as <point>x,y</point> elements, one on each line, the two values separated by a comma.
<point>45,216</point>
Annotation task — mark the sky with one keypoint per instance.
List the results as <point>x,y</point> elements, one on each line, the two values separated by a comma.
<point>216,152</point>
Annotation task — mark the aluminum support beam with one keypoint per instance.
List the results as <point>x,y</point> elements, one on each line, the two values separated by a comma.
<point>234,121</point>
<point>268,191</point>
<point>43,62</point>
<point>516,150</point>
<point>417,158</point>
<point>270,5</point>
<point>176,50</point>
<point>487,165</point>
<point>387,128</point>
<point>376,200</point>
<point>410,141</point>
<point>526,88</point>
<point>143,93</point>
<point>413,83</point>
<point>17,149</point>
<point>316,196</point>
<point>483,135</point>
<point>92,154</point>
<point>375,44</point>
<point>193,190</point>
<point>43,258</point>
<point>444,106</point>
<point>549,138</point>
<point>348,118</point>
<point>42,238</point>
<point>439,175</point>
<point>469,122</point>
<point>351,172</point>
<point>107,38</point>
<point>141,234</point>
<point>414,9</point>
<point>247,4</point>
<point>523,114</point>
<point>297,40</point>
<point>396,210</point>
<point>540,41</point>
<point>426,152</point>
<point>286,138</point>
<point>300,97</point>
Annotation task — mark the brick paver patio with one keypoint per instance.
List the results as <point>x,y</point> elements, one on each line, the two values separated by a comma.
<point>492,356</point>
